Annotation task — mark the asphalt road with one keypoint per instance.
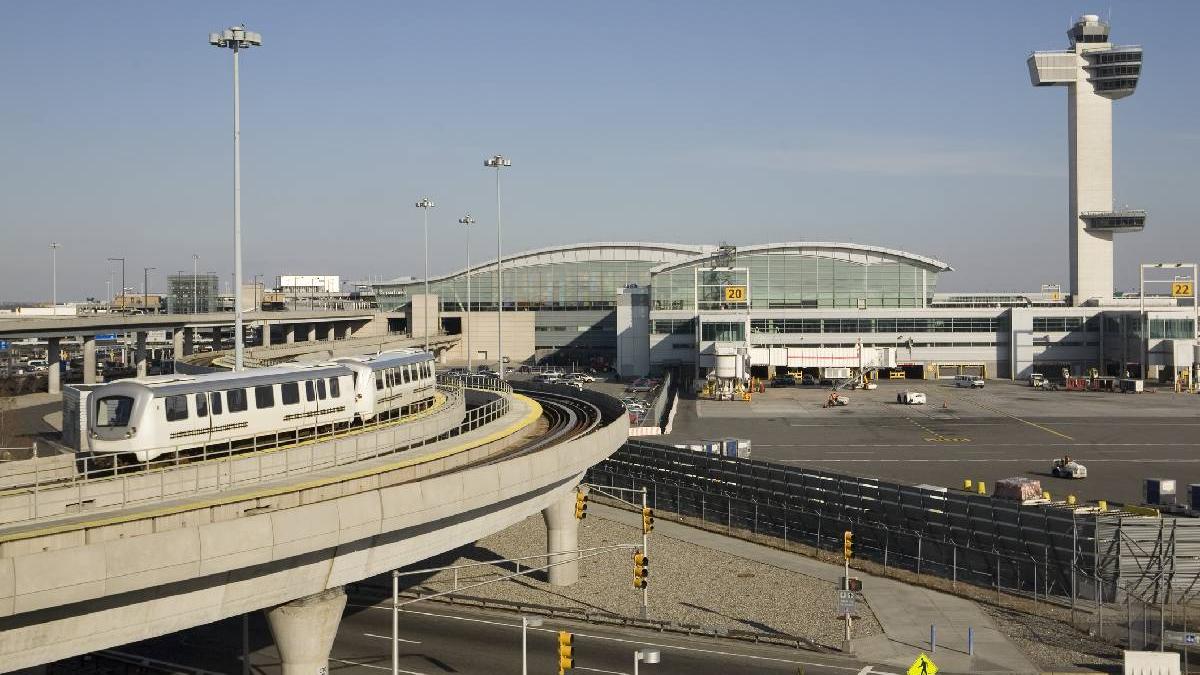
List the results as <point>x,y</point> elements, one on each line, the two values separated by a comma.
<point>438,638</point>
<point>1004,430</point>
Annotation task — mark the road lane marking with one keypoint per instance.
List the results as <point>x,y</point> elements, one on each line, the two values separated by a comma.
<point>387,607</point>
<point>368,665</point>
<point>971,399</point>
<point>389,637</point>
<point>1090,460</point>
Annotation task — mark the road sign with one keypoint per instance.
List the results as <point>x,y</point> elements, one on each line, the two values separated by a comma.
<point>1179,638</point>
<point>922,666</point>
<point>3,344</point>
<point>845,602</point>
<point>106,336</point>
<point>735,294</point>
<point>1181,289</point>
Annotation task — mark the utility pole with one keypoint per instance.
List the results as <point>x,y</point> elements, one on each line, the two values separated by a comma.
<point>146,288</point>
<point>122,279</point>
<point>467,221</point>
<point>54,275</point>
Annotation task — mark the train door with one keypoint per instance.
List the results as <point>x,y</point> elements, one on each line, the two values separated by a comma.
<point>204,418</point>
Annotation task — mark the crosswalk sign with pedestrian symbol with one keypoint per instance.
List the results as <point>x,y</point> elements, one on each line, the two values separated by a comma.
<point>922,666</point>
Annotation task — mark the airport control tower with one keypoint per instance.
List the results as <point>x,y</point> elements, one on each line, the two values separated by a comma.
<point>1094,73</point>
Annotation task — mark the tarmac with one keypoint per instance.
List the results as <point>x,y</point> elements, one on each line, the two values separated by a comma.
<point>906,613</point>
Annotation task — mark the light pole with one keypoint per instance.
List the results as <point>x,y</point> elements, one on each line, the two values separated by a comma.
<point>54,275</point>
<point>195,281</point>
<point>122,279</point>
<point>527,622</point>
<point>146,289</point>
<point>426,204</point>
<point>468,221</point>
<point>499,162</point>
<point>647,656</point>
<point>236,38</point>
<point>257,303</point>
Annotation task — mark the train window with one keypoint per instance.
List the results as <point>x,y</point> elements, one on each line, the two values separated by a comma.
<point>335,387</point>
<point>236,398</point>
<point>201,405</point>
<point>310,393</point>
<point>379,379</point>
<point>321,389</point>
<point>405,374</point>
<point>264,396</point>
<point>215,400</point>
<point>391,378</point>
<point>114,411</point>
<point>176,408</point>
<point>289,393</point>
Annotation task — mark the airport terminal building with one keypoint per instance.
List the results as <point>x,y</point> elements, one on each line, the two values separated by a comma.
<point>644,307</point>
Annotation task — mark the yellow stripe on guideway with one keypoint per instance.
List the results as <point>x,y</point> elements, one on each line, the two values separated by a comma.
<point>535,412</point>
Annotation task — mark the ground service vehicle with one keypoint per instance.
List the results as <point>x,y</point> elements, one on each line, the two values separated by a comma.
<point>969,381</point>
<point>145,418</point>
<point>1065,467</point>
<point>911,397</point>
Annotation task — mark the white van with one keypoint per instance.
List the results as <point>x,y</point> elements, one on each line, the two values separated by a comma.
<point>970,381</point>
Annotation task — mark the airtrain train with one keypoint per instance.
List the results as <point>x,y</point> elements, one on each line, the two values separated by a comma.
<point>146,418</point>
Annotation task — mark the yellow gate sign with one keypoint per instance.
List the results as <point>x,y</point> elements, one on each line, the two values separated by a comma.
<point>735,294</point>
<point>922,666</point>
<point>1179,289</point>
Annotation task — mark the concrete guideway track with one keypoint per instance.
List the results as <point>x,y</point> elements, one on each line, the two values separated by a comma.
<point>99,584</point>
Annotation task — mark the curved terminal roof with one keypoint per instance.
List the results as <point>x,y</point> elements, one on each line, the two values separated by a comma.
<point>586,252</point>
<point>827,249</point>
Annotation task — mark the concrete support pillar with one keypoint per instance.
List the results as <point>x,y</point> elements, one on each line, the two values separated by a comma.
<point>89,359</point>
<point>266,334</point>
<point>312,332</point>
<point>562,534</point>
<point>177,343</point>
<point>289,333</point>
<point>53,366</point>
<point>139,353</point>
<point>304,630</point>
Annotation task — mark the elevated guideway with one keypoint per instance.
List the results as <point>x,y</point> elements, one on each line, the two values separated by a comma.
<point>92,564</point>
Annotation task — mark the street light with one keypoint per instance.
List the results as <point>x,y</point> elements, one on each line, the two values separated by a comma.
<point>54,275</point>
<point>647,656</point>
<point>195,281</point>
<point>236,38</point>
<point>527,622</point>
<point>468,221</point>
<point>499,162</point>
<point>426,204</point>
<point>122,279</point>
<point>146,289</point>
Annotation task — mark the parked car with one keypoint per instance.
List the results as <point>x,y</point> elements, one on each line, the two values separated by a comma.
<point>783,381</point>
<point>808,380</point>
<point>581,377</point>
<point>970,381</point>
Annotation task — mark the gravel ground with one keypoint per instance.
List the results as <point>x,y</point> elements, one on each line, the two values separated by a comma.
<point>1052,644</point>
<point>687,584</point>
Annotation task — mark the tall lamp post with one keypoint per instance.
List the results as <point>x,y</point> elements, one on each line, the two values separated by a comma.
<point>645,656</point>
<point>54,245</point>
<point>236,38</point>
<point>122,279</point>
<point>527,622</point>
<point>468,221</point>
<point>499,162</point>
<point>426,204</point>
<point>146,289</point>
<point>195,281</point>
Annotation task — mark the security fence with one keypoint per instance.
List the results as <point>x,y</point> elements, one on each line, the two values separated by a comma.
<point>1103,566</point>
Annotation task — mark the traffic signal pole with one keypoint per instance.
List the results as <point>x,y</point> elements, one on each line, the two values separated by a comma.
<point>847,538</point>
<point>646,551</point>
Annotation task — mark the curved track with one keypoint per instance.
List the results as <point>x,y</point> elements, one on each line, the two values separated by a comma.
<point>569,417</point>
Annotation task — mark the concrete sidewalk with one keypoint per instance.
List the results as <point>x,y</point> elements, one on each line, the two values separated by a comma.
<point>905,612</point>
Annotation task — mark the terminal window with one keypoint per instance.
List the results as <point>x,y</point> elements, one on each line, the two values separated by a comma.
<point>723,331</point>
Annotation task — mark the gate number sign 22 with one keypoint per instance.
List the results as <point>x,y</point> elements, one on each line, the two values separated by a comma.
<point>1179,289</point>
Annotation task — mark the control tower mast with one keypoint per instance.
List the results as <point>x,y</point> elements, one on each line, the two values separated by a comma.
<point>1095,74</point>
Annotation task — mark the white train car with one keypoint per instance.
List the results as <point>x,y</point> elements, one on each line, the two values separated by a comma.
<point>392,383</point>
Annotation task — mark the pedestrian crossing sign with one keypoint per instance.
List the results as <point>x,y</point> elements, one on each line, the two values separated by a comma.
<point>922,666</point>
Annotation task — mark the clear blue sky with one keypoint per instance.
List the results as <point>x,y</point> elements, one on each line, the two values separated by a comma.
<point>911,125</point>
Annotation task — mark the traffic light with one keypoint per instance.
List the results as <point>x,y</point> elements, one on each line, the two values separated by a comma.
<point>647,520</point>
<point>641,569</point>
<point>847,543</point>
<point>580,505</point>
<point>566,653</point>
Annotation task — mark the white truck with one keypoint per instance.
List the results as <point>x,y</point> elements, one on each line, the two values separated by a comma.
<point>911,397</point>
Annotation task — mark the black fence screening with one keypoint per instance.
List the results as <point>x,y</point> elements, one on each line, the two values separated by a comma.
<point>1041,550</point>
